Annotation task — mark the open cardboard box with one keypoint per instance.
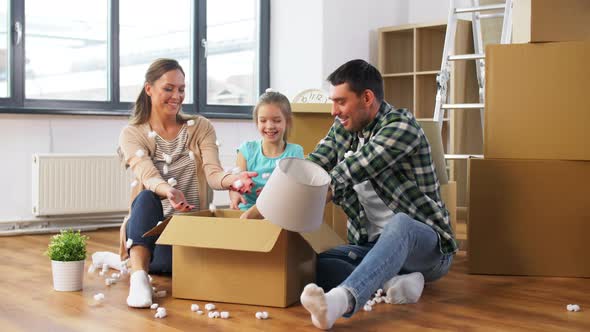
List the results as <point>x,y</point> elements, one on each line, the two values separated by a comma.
<point>220,258</point>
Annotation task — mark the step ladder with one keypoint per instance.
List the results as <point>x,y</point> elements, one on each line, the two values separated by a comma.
<point>443,78</point>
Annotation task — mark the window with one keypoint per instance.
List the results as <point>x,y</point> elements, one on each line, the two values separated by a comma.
<point>90,56</point>
<point>142,41</point>
<point>4,28</point>
<point>67,49</point>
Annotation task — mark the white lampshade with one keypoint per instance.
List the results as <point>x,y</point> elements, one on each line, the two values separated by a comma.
<point>295,195</point>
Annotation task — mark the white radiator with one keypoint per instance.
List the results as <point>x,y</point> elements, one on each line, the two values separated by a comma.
<point>72,184</point>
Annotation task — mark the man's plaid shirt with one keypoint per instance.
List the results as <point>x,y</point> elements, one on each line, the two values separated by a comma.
<point>396,159</point>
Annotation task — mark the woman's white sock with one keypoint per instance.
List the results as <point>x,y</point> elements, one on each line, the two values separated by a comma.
<point>140,290</point>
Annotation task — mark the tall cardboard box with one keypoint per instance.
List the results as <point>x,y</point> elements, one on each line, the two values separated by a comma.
<point>537,104</point>
<point>311,123</point>
<point>529,217</point>
<point>220,258</point>
<point>550,20</point>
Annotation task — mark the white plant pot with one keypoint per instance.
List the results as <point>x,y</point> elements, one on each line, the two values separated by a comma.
<point>67,276</point>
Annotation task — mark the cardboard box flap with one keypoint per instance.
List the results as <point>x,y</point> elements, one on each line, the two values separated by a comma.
<point>158,229</point>
<point>323,239</point>
<point>219,233</point>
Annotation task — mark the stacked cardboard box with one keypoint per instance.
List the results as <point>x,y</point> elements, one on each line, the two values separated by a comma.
<point>550,20</point>
<point>529,197</point>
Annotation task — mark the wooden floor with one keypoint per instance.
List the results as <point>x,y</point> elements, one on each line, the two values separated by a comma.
<point>458,302</point>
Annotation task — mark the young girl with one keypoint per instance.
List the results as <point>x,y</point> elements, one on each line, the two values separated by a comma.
<point>273,119</point>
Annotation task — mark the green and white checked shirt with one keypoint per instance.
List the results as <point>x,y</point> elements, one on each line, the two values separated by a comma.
<point>396,160</point>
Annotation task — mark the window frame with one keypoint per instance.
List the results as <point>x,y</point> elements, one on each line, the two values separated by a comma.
<point>16,103</point>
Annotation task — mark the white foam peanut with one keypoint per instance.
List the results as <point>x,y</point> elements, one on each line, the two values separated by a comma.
<point>140,153</point>
<point>172,182</point>
<point>194,307</point>
<point>128,244</point>
<point>209,306</point>
<point>224,315</point>
<point>154,306</point>
<point>367,307</point>
<point>167,158</point>
<point>238,184</point>
<point>190,122</point>
<point>99,297</point>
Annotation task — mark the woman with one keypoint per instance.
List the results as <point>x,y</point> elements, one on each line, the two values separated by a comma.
<point>175,160</point>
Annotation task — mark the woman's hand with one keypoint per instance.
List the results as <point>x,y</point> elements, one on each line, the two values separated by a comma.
<point>178,201</point>
<point>235,198</point>
<point>242,182</point>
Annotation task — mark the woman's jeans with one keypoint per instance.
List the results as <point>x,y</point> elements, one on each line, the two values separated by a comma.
<point>146,212</point>
<point>404,246</point>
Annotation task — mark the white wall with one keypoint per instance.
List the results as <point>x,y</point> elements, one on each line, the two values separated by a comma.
<point>350,29</point>
<point>309,39</point>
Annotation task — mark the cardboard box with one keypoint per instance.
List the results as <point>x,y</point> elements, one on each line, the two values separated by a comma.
<point>311,123</point>
<point>537,104</point>
<point>221,258</point>
<point>550,20</point>
<point>529,217</point>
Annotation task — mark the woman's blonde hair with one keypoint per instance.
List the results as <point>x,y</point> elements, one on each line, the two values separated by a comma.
<point>282,102</point>
<point>143,104</point>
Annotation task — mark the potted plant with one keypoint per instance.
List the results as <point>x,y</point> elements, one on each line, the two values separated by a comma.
<point>67,252</point>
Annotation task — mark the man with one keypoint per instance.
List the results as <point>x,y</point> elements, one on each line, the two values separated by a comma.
<point>383,177</point>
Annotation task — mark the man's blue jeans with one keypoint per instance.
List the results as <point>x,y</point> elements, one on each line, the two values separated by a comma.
<point>404,246</point>
<point>146,211</point>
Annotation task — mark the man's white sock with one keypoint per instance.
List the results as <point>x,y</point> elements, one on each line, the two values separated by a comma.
<point>140,290</point>
<point>404,289</point>
<point>324,308</point>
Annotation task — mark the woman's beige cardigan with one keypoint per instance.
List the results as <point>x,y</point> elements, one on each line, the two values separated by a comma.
<point>201,141</point>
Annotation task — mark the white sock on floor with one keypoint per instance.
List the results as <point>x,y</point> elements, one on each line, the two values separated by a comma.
<point>104,257</point>
<point>324,308</point>
<point>140,290</point>
<point>404,289</point>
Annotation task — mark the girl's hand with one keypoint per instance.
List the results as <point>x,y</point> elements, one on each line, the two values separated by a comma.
<point>235,198</point>
<point>242,182</point>
<point>252,213</point>
<point>178,201</point>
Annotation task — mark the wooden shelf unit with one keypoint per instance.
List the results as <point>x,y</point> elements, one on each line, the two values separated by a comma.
<point>409,59</point>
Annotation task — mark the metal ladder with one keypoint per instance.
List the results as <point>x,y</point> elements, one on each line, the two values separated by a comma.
<point>477,13</point>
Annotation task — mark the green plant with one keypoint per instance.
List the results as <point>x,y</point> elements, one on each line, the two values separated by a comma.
<point>67,246</point>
